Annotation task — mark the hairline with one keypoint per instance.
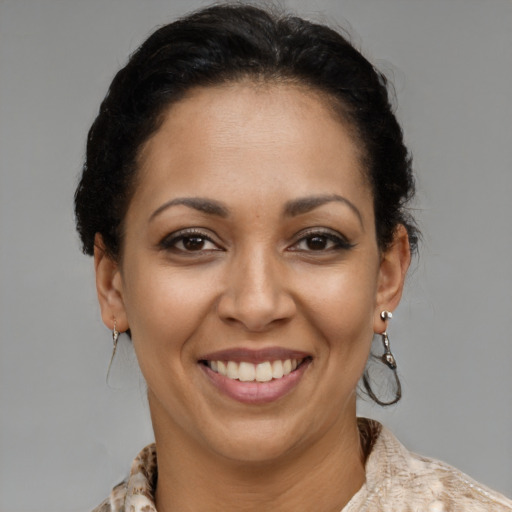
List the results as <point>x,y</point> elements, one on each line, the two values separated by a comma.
<point>333,105</point>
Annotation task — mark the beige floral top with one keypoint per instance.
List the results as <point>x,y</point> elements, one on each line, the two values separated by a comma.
<point>396,481</point>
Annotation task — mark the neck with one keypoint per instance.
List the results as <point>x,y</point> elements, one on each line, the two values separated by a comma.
<point>323,476</point>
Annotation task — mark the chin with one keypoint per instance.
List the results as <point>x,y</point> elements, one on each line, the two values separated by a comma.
<point>261,440</point>
<point>259,448</point>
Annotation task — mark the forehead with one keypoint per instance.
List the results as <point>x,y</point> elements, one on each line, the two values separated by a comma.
<point>269,139</point>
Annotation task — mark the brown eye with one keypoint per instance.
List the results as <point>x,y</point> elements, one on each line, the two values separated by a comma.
<point>189,242</point>
<point>317,243</point>
<point>193,243</point>
<point>321,242</point>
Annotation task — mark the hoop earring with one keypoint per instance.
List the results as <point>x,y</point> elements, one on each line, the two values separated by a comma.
<point>389,360</point>
<point>115,337</point>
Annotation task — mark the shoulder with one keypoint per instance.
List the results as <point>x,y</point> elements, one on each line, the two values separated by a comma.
<point>400,480</point>
<point>136,493</point>
<point>116,501</point>
<point>104,506</point>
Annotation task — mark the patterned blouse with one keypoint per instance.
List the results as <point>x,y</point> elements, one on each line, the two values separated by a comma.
<point>396,481</point>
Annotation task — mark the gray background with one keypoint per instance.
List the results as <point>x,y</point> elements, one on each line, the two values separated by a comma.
<point>66,436</point>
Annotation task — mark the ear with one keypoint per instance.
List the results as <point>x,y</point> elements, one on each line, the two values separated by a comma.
<point>393,269</point>
<point>109,286</point>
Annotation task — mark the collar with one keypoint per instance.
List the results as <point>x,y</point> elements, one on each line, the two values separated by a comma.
<point>137,492</point>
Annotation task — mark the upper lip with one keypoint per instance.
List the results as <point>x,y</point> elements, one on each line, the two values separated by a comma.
<point>248,355</point>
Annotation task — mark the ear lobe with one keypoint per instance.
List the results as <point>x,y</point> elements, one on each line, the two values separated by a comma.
<point>109,287</point>
<point>393,269</point>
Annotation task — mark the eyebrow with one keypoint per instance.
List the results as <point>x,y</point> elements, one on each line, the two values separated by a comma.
<point>201,204</point>
<point>307,204</point>
<point>292,208</point>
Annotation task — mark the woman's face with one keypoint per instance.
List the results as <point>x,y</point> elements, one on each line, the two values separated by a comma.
<point>251,279</point>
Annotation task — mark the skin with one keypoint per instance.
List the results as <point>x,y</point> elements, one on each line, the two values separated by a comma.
<point>257,281</point>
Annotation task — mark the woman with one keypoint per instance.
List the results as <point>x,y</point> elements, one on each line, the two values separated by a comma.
<point>244,198</point>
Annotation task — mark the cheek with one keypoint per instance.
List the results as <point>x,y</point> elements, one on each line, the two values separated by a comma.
<point>342,297</point>
<point>341,311</point>
<point>164,309</point>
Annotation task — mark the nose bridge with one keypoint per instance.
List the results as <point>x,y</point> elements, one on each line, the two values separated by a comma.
<point>256,292</point>
<point>257,281</point>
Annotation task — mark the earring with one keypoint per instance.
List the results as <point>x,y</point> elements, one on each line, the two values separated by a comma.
<point>115,337</point>
<point>389,360</point>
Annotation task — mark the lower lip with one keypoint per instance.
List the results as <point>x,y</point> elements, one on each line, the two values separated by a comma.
<point>256,392</point>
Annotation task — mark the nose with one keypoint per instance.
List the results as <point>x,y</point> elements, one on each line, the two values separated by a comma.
<point>257,294</point>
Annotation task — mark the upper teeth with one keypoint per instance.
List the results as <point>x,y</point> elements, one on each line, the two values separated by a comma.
<point>249,372</point>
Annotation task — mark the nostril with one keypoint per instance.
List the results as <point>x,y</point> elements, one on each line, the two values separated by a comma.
<point>255,315</point>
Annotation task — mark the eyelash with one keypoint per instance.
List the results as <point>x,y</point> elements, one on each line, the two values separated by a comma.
<point>170,242</point>
<point>339,243</point>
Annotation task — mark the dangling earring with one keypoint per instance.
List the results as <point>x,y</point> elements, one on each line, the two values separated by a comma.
<point>387,357</point>
<point>115,337</point>
<point>389,360</point>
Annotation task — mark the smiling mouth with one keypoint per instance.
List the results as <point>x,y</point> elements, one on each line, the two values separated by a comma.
<point>265,371</point>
